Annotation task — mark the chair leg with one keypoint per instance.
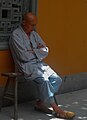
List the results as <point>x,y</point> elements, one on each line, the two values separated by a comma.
<point>15,100</point>
<point>5,89</point>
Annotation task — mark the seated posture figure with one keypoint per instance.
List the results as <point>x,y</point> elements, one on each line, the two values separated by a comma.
<point>29,50</point>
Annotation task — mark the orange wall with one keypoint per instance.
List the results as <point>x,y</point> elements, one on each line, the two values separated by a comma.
<point>63,26</point>
<point>6,64</point>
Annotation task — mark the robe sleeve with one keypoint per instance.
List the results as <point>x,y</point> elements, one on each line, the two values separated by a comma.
<point>41,53</point>
<point>18,48</point>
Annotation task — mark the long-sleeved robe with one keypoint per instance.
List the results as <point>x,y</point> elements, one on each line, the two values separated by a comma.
<point>31,64</point>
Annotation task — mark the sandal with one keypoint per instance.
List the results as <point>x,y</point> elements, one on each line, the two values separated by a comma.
<point>59,116</point>
<point>40,106</point>
<point>68,115</point>
<point>43,109</point>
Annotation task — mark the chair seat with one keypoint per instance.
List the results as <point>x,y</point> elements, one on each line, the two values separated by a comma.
<point>11,74</point>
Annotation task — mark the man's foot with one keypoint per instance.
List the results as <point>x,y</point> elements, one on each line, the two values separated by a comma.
<point>40,106</point>
<point>67,115</point>
<point>58,112</point>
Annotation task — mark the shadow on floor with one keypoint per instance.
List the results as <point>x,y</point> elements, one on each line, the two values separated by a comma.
<point>74,101</point>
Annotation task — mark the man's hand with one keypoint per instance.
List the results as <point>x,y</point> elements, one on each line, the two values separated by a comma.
<point>40,45</point>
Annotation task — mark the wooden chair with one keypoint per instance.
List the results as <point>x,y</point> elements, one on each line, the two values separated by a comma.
<point>12,95</point>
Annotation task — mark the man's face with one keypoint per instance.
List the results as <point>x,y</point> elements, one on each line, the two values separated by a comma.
<point>29,25</point>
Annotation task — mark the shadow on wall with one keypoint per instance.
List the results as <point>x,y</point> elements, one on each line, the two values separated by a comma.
<point>74,82</point>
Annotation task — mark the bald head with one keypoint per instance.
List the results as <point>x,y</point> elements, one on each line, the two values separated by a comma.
<point>29,16</point>
<point>29,21</point>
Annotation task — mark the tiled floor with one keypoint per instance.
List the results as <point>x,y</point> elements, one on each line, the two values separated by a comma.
<point>73,101</point>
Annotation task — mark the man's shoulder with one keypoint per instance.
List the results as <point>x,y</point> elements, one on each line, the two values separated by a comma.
<point>17,33</point>
<point>17,30</point>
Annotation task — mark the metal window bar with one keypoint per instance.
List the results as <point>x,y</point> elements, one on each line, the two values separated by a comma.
<point>27,5</point>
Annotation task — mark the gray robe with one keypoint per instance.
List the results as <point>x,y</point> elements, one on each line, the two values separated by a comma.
<point>31,65</point>
<point>25,61</point>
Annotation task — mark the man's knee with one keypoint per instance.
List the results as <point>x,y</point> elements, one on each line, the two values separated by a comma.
<point>40,80</point>
<point>56,78</point>
<point>59,80</point>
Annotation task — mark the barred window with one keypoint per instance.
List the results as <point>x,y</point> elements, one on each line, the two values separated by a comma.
<point>11,12</point>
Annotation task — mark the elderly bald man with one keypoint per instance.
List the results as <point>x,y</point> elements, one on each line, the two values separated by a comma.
<point>29,50</point>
